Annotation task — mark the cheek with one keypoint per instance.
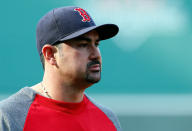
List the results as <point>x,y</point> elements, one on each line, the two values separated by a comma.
<point>75,61</point>
<point>80,60</point>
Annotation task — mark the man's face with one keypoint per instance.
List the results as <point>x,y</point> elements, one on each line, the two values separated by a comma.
<point>79,59</point>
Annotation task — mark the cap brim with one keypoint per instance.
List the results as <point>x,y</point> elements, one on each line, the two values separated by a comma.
<point>105,31</point>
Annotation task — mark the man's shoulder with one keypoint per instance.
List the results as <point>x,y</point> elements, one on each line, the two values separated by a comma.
<point>13,110</point>
<point>105,109</point>
<point>22,96</point>
<point>108,112</point>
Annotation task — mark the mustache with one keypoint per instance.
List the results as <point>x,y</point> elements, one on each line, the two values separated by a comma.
<point>93,63</point>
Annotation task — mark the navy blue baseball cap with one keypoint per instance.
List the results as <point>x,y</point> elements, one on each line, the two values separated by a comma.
<point>66,23</point>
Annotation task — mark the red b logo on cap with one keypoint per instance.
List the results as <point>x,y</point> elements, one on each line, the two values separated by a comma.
<point>84,14</point>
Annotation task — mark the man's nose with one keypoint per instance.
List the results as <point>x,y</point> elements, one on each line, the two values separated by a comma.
<point>94,53</point>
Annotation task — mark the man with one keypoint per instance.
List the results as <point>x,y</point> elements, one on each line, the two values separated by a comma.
<point>67,42</point>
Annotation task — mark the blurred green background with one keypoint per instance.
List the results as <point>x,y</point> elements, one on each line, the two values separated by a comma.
<point>149,60</point>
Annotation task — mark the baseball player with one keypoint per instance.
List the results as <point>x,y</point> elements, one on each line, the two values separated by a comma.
<point>67,43</point>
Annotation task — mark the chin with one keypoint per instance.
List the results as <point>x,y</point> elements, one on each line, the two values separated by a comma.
<point>93,81</point>
<point>93,77</point>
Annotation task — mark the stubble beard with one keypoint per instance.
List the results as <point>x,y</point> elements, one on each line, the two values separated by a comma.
<point>93,76</point>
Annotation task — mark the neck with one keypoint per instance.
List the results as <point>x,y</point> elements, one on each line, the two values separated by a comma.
<point>63,89</point>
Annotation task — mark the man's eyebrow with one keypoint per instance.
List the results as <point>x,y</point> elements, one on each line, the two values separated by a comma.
<point>85,39</point>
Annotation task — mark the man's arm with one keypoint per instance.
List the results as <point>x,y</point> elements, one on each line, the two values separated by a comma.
<point>4,123</point>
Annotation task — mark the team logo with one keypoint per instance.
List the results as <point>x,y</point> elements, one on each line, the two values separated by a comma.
<point>84,14</point>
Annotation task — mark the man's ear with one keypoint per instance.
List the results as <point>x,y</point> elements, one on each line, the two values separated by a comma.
<point>48,52</point>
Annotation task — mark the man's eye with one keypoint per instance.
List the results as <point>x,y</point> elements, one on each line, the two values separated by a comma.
<point>83,45</point>
<point>96,44</point>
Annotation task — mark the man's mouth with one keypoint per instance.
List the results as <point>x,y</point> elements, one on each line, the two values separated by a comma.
<point>95,68</point>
